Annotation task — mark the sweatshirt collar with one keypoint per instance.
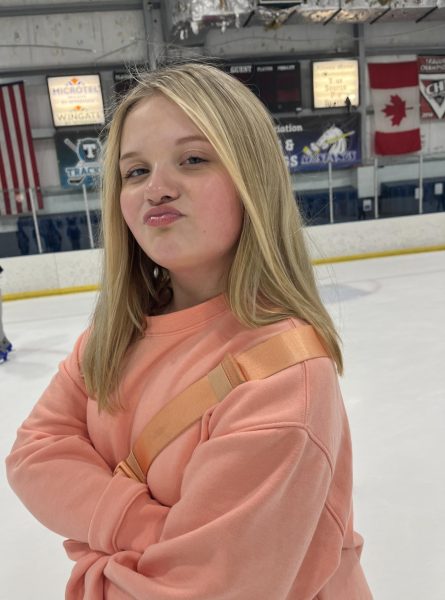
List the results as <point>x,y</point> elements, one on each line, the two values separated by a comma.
<point>187,318</point>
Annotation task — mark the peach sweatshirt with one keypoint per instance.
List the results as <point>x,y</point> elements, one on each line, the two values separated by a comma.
<point>251,503</point>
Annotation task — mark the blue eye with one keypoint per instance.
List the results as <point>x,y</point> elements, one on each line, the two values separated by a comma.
<point>135,172</point>
<point>194,160</point>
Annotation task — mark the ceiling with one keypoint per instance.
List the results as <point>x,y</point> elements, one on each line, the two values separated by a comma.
<point>190,18</point>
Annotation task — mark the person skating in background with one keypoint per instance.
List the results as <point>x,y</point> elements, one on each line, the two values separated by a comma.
<point>5,344</point>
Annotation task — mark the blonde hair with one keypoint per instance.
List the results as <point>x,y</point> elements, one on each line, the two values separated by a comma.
<point>271,276</point>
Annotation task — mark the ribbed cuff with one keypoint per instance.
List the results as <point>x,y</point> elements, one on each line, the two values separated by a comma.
<point>110,511</point>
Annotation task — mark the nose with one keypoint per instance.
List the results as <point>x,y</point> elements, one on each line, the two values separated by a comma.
<point>160,187</point>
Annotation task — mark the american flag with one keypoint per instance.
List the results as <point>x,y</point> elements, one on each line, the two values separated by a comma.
<point>18,166</point>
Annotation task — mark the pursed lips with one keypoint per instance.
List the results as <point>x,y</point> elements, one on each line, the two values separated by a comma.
<point>160,215</point>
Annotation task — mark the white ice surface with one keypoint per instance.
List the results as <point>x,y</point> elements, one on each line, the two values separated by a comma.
<point>391,315</point>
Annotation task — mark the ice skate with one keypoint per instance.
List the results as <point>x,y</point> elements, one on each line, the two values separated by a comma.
<point>5,343</point>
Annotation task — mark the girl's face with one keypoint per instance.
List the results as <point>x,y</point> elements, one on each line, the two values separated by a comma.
<point>177,199</point>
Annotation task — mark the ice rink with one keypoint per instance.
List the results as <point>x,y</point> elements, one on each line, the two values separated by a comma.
<point>391,316</point>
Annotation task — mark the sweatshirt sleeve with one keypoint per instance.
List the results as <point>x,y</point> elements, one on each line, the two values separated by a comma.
<point>252,514</point>
<point>53,453</point>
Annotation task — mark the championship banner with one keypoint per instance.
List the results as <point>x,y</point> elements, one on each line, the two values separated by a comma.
<point>311,143</point>
<point>78,155</point>
<point>432,87</point>
<point>395,97</point>
<point>18,166</point>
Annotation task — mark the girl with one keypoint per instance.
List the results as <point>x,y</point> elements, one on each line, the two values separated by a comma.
<point>207,292</point>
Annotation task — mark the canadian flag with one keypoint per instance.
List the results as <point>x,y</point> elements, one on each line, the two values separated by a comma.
<point>395,96</point>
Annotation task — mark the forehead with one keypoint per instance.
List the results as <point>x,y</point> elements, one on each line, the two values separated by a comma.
<point>157,115</point>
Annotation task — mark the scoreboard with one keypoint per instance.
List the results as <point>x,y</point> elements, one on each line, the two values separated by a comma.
<point>277,84</point>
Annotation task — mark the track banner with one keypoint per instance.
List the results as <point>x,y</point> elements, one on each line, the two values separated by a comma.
<point>79,156</point>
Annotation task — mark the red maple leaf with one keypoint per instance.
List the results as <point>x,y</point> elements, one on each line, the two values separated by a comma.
<point>396,110</point>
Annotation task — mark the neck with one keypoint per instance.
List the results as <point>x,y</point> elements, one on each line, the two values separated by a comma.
<point>187,293</point>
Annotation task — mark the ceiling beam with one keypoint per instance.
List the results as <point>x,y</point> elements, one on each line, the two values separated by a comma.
<point>71,8</point>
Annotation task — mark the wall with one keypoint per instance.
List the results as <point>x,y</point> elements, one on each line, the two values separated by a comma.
<point>102,36</point>
<point>384,41</point>
<point>40,37</point>
<point>51,272</point>
<point>67,270</point>
<point>91,37</point>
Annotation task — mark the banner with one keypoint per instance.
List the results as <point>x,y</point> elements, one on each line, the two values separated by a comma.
<point>432,87</point>
<point>18,166</point>
<point>78,155</point>
<point>311,143</point>
<point>395,96</point>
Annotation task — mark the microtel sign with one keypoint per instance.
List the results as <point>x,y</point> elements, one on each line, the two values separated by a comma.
<point>76,100</point>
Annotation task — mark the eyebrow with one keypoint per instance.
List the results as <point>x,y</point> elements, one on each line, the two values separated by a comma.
<point>178,142</point>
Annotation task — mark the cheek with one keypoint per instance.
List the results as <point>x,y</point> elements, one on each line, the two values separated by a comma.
<point>127,209</point>
<point>229,211</point>
<point>223,227</point>
<point>230,221</point>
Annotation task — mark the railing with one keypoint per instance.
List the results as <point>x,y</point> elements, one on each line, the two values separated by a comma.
<point>415,185</point>
<point>381,190</point>
<point>24,229</point>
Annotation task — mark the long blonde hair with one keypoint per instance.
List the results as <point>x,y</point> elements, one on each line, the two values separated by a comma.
<point>271,276</point>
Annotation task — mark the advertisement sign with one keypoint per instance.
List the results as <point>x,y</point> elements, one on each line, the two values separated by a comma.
<point>432,87</point>
<point>76,100</point>
<point>311,143</point>
<point>335,83</point>
<point>78,155</point>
